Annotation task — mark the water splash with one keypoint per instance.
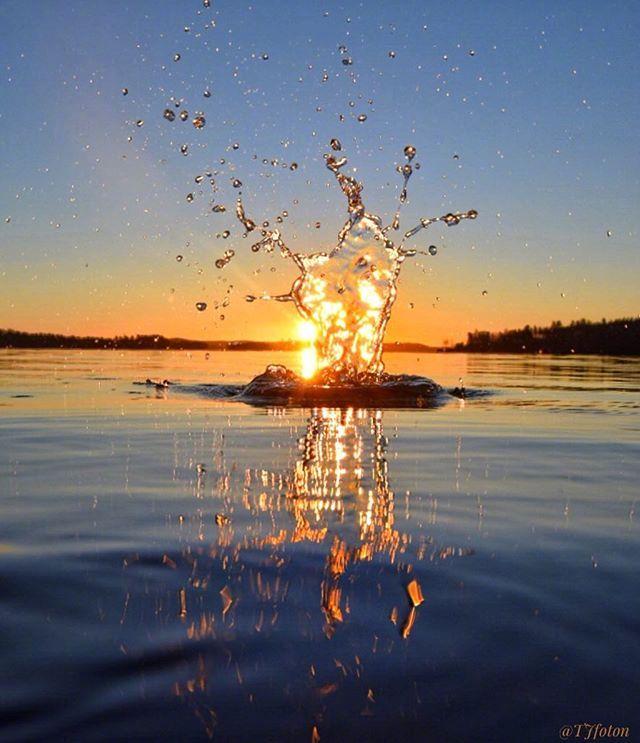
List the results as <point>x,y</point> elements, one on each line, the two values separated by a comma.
<point>346,295</point>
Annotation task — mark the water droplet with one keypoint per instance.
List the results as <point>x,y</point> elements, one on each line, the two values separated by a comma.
<point>125,91</point>
<point>226,234</point>
<point>201,306</point>
<point>472,53</point>
<point>207,93</point>
<point>199,121</point>
<point>609,233</point>
<point>179,258</point>
<point>317,225</point>
<point>140,122</point>
<point>236,183</point>
<point>176,57</point>
<point>218,208</point>
<point>206,3</point>
<point>362,117</point>
<point>189,197</point>
<point>187,29</point>
<point>410,151</point>
<point>484,292</point>
<point>168,114</point>
<point>184,149</point>
<point>250,298</point>
<point>199,178</point>
<point>392,55</point>
<point>265,56</point>
<point>433,250</point>
<point>347,61</point>
<point>184,115</point>
<point>235,146</point>
<point>335,145</point>
<point>293,166</point>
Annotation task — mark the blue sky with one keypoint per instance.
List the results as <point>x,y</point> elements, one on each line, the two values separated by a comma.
<point>539,103</point>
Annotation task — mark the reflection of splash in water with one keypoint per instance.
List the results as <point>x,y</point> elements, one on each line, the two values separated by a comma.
<point>337,501</point>
<point>343,469</point>
<point>346,295</point>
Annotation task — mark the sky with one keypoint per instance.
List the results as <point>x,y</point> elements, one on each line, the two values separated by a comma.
<point>524,111</point>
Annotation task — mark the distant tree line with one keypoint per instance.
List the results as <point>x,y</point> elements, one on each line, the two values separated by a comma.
<point>19,339</point>
<point>607,337</point>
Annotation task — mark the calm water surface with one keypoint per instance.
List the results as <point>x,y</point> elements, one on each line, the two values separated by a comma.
<point>176,567</point>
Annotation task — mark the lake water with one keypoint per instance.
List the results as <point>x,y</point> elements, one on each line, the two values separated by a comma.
<point>128,612</point>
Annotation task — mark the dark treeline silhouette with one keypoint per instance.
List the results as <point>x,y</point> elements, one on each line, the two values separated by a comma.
<point>19,339</point>
<point>607,337</point>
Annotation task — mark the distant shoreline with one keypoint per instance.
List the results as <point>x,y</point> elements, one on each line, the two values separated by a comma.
<point>20,339</point>
<point>583,337</point>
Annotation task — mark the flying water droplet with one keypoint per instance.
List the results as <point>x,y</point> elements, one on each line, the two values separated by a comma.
<point>362,117</point>
<point>198,121</point>
<point>184,115</point>
<point>139,123</point>
<point>226,257</point>
<point>179,258</point>
<point>392,55</point>
<point>184,149</point>
<point>189,197</point>
<point>335,145</point>
<point>201,306</point>
<point>236,183</point>
<point>169,115</point>
<point>176,57</point>
<point>433,250</point>
<point>125,91</point>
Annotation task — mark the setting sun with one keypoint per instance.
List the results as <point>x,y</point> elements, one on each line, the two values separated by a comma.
<point>308,356</point>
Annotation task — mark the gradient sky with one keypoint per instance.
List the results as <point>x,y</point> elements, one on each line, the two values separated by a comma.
<point>538,101</point>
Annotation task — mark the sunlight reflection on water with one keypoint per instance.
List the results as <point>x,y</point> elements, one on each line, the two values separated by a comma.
<point>178,565</point>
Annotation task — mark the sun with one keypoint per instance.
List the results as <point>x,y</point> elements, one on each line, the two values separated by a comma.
<point>308,357</point>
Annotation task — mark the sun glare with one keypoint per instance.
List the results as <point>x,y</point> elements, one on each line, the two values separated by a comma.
<point>308,355</point>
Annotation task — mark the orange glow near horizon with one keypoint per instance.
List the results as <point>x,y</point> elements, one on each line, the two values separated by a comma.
<point>308,355</point>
